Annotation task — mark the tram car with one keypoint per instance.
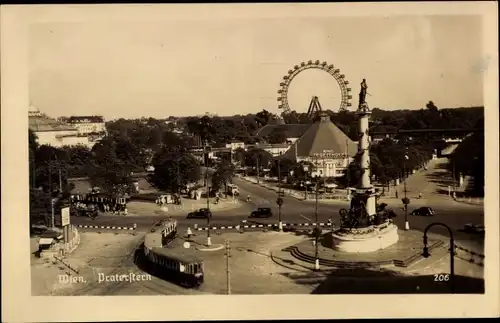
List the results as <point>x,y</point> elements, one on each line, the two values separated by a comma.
<point>182,268</point>
<point>168,231</point>
<point>107,202</point>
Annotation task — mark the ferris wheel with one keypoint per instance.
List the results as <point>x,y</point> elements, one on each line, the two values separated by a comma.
<point>345,91</point>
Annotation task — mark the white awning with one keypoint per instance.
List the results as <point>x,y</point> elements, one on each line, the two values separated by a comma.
<point>44,241</point>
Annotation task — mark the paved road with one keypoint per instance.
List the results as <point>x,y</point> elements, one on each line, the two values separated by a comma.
<point>456,215</point>
<point>295,211</point>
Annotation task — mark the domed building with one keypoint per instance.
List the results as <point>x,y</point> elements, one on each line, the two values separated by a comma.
<point>324,145</point>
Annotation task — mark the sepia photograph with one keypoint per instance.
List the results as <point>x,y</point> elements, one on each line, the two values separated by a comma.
<point>237,151</point>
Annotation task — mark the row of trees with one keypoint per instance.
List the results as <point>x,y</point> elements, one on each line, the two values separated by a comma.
<point>131,145</point>
<point>221,130</point>
<point>468,160</point>
<point>390,160</point>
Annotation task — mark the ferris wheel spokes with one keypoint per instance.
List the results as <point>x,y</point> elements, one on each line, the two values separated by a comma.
<point>324,66</point>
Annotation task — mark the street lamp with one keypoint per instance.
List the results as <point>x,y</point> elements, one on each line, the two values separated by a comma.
<point>257,158</point>
<point>426,253</point>
<point>405,199</point>
<point>316,229</point>
<point>305,167</point>
<point>279,200</point>
<point>209,240</point>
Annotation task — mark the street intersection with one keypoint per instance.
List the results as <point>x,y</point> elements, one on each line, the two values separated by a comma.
<point>456,215</point>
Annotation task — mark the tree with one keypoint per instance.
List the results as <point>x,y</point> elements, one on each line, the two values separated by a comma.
<point>174,168</point>
<point>277,136</point>
<point>263,117</point>
<point>285,166</point>
<point>113,162</point>
<point>239,156</point>
<point>468,159</point>
<point>33,147</point>
<point>222,176</point>
<point>299,170</point>
<point>431,107</point>
<point>50,162</point>
<point>260,157</point>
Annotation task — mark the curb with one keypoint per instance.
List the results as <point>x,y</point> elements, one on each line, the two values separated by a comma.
<point>473,257</point>
<point>278,261</point>
<point>349,264</point>
<point>70,267</point>
<point>295,195</point>
<point>251,226</point>
<point>105,227</point>
<point>213,248</point>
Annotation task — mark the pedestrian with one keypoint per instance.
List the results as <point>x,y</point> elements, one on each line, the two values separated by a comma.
<point>189,233</point>
<point>397,194</point>
<point>125,211</point>
<point>420,195</point>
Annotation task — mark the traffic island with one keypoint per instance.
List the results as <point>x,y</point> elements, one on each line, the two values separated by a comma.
<point>405,253</point>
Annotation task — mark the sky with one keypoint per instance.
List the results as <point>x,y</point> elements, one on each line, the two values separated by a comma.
<point>179,67</point>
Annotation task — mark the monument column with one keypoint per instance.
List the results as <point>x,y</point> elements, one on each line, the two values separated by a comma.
<point>365,187</point>
<point>362,229</point>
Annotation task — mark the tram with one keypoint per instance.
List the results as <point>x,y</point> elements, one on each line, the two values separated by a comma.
<point>182,268</point>
<point>169,232</point>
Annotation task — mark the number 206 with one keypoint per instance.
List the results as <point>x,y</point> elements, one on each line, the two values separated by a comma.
<point>441,277</point>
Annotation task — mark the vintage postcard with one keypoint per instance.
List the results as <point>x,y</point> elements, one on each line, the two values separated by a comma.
<point>251,161</point>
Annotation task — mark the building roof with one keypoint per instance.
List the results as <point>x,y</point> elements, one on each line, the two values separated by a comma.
<point>291,130</point>
<point>322,137</point>
<point>42,124</point>
<point>85,119</point>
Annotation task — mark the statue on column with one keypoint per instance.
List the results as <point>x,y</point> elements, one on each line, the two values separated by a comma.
<point>362,96</point>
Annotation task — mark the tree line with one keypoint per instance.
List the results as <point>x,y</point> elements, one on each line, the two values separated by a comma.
<point>131,145</point>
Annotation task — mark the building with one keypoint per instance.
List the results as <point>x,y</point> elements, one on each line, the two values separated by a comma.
<point>88,124</point>
<point>324,145</point>
<point>235,145</point>
<point>274,149</point>
<point>54,133</point>
<point>292,131</point>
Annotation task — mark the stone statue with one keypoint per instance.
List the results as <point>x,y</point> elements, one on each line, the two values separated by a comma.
<point>362,96</point>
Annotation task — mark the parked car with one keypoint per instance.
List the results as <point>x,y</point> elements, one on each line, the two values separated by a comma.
<point>262,212</point>
<point>203,213</point>
<point>474,228</point>
<point>423,211</point>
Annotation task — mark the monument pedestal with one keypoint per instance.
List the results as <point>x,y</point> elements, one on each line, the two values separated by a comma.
<point>369,239</point>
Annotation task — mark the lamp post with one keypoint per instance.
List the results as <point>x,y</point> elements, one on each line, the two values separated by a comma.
<point>209,240</point>
<point>316,259</point>
<point>426,253</point>
<point>257,157</point>
<point>228,273</point>
<point>306,169</point>
<point>454,177</point>
<point>279,200</point>
<point>405,199</point>
<point>52,218</point>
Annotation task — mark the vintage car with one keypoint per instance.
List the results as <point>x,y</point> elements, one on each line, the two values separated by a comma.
<point>203,213</point>
<point>262,212</point>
